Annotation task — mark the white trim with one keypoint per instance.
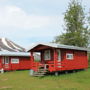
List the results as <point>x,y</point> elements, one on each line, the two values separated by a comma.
<point>69,56</point>
<point>14,60</point>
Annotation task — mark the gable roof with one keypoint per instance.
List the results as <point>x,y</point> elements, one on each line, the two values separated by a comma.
<point>54,45</point>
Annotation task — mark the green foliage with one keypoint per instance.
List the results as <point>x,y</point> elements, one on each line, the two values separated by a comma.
<point>89,59</point>
<point>37,60</point>
<point>77,33</point>
<point>89,28</point>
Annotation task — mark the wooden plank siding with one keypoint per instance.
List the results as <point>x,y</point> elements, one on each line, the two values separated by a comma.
<point>24,63</point>
<point>79,60</point>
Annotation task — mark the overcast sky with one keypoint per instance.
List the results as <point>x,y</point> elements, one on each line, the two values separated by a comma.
<point>30,21</point>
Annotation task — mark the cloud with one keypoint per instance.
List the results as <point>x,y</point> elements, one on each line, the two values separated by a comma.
<point>16,24</point>
<point>12,16</point>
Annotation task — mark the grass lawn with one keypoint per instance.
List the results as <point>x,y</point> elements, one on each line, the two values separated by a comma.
<point>20,80</point>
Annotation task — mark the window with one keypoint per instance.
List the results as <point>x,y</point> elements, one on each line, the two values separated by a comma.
<point>47,55</point>
<point>69,56</point>
<point>15,60</point>
<point>37,57</point>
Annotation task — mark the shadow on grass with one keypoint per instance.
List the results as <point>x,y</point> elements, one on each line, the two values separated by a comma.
<point>63,73</point>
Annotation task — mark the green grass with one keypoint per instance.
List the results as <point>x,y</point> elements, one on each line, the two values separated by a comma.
<point>21,80</point>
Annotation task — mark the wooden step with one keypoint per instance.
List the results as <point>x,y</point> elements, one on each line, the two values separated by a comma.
<point>38,75</point>
<point>39,72</point>
<point>42,71</point>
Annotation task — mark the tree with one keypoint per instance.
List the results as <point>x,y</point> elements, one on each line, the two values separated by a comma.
<point>76,31</point>
<point>89,27</point>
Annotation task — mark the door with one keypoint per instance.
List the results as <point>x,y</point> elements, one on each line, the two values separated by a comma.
<point>6,62</point>
<point>59,57</point>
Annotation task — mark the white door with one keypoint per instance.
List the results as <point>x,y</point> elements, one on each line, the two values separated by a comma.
<point>59,57</point>
<point>5,62</point>
<point>6,59</point>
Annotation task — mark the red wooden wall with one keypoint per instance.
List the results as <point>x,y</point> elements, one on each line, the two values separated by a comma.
<point>80,60</point>
<point>24,63</point>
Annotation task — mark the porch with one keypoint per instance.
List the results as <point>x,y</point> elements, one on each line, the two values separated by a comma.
<point>50,59</point>
<point>50,67</point>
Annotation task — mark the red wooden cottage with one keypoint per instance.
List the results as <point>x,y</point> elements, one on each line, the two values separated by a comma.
<point>58,57</point>
<point>13,56</point>
<point>14,61</point>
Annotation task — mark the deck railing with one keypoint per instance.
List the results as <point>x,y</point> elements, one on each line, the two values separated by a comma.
<point>51,66</point>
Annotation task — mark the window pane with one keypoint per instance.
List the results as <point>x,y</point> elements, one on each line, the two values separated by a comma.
<point>47,55</point>
<point>37,57</point>
<point>14,60</point>
<point>69,56</point>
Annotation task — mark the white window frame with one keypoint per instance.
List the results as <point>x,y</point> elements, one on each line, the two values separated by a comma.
<point>71,56</point>
<point>47,55</point>
<point>15,60</point>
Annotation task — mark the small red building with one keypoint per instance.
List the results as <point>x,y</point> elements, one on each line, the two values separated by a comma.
<point>14,60</point>
<point>58,57</point>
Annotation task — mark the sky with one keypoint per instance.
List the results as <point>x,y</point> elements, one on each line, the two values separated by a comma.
<point>32,21</point>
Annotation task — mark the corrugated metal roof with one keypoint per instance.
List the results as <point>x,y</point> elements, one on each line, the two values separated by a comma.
<point>2,53</point>
<point>54,45</point>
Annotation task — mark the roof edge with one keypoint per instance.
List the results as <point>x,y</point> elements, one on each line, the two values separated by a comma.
<point>54,45</point>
